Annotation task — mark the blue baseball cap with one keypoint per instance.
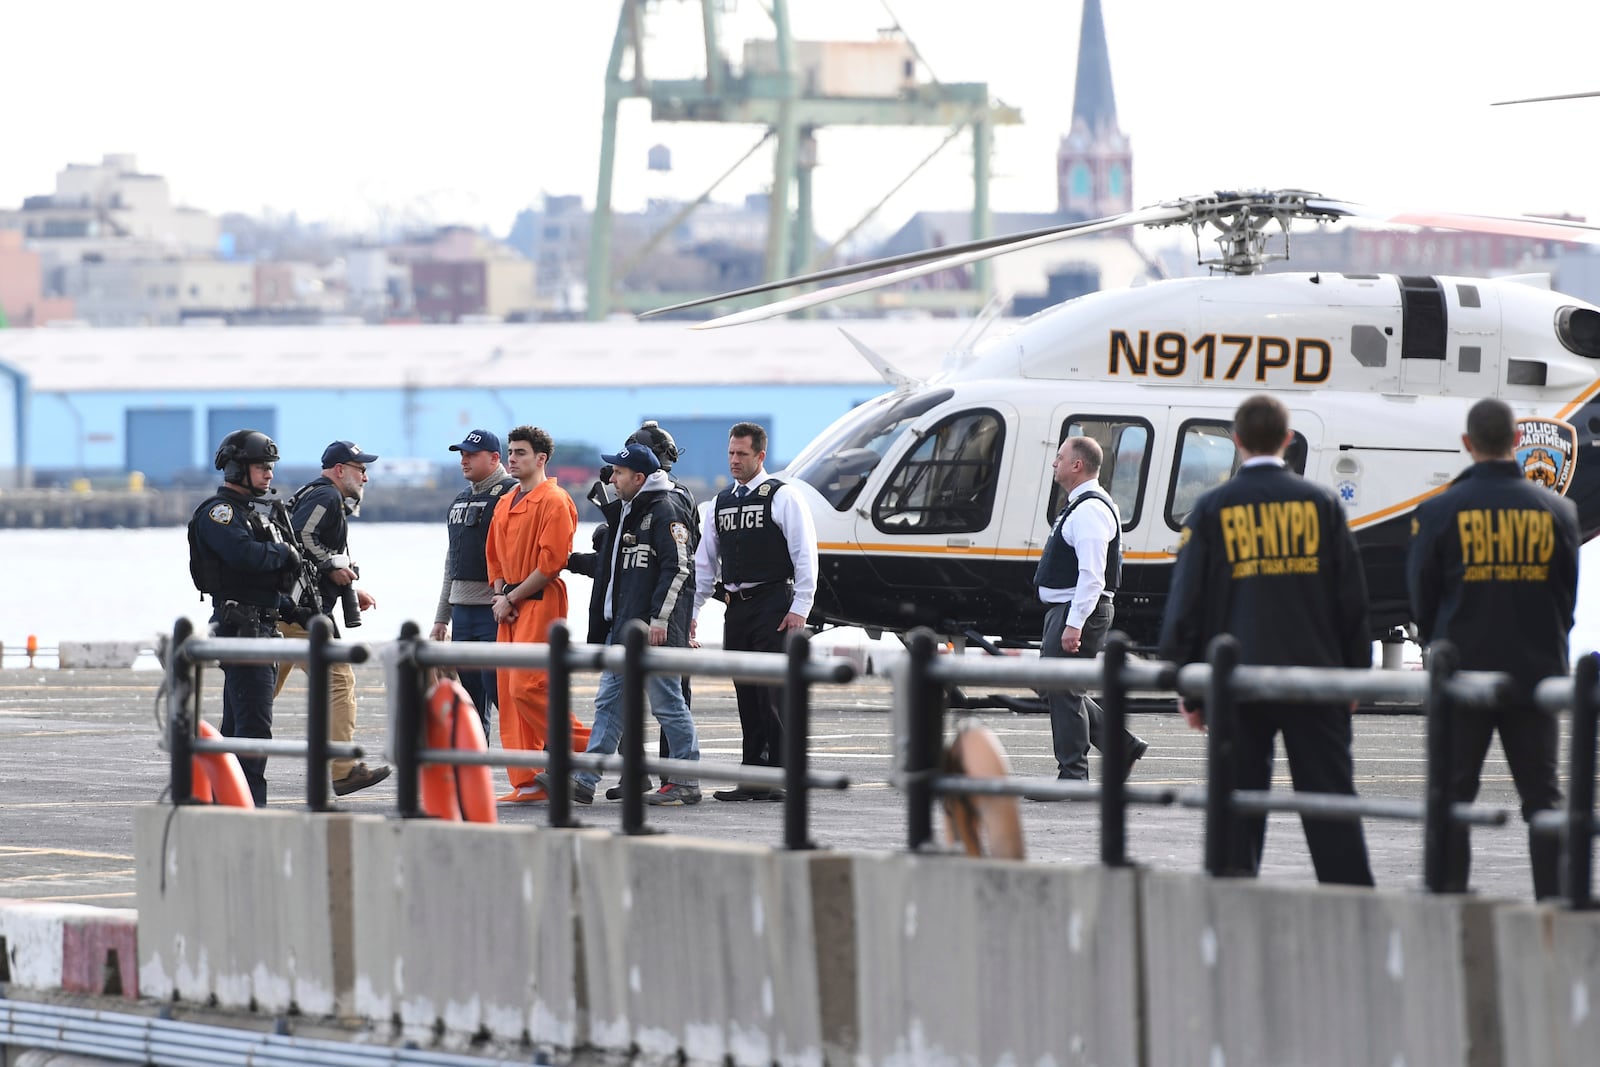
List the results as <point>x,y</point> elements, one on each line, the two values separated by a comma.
<point>345,452</point>
<point>636,456</point>
<point>478,441</point>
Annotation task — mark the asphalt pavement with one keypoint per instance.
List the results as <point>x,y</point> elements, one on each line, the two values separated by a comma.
<point>79,751</point>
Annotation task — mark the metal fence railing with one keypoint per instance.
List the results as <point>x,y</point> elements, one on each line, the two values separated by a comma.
<point>413,656</point>
<point>921,682</point>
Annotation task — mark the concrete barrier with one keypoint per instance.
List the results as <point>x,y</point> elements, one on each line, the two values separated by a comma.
<point>465,932</point>
<point>251,908</point>
<point>77,948</point>
<point>1239,973</point>
<point>94,654</point>
<point>1549,963</point>
<point>992,962</point>
<point>710,951</point>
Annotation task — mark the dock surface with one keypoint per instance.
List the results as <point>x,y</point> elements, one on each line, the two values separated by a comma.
<point>79,751</point>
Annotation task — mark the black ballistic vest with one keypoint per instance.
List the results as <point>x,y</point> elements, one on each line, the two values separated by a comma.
<point>469,530</point>
<point>752,547</point>
<point>1058,567</point>
<point>211,575</point>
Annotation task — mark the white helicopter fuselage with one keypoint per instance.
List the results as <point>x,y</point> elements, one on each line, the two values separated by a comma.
<point>932,503</point>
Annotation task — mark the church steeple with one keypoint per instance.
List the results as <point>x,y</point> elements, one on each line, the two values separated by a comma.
<point>1094,165</point>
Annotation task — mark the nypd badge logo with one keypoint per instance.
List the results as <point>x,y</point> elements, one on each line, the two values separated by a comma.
<point>1548,452</point>
<point>765,490</point>
<point>222,514</point>
<point>680,533</point>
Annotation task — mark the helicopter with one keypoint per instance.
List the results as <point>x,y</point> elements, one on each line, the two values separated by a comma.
<point>932,502</point>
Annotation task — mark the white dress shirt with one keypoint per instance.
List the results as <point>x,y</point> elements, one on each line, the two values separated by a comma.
<point>1088,531</point>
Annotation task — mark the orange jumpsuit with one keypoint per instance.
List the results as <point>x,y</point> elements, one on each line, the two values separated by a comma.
<point>528,534</point>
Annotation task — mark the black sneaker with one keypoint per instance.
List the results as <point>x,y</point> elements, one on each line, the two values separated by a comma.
<point>360,777</point>
<point>646,784</point>
<point>581,794</point>
<point>674,795</point>
<point>741,793</point>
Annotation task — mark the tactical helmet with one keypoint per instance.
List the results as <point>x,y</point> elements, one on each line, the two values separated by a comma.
<point>240,449</point>
<point>658,441</point>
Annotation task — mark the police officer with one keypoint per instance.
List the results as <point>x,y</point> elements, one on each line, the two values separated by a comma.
<point>604,497</point>
<point>1493,569</point>
<point>317,512</point>
<point>1077,575</point>
<point>239,553</point>
<point>1269,558</point>
<point>464,598</point>
<point>758,543</point>
<point>648,565</point>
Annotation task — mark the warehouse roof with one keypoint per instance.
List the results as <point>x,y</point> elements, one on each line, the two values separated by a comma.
<point>501,356</point>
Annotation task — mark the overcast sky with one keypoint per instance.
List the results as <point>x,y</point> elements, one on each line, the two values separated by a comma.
<point>356,109</point>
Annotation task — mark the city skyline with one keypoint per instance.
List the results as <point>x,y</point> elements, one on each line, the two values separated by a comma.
<point>363,113</point>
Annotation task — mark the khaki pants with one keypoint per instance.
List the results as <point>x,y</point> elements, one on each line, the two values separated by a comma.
<point>341,700</point>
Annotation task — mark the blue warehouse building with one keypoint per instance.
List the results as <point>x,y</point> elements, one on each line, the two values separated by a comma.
<point>95,402</point>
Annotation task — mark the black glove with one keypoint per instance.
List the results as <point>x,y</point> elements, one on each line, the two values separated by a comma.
<point>600,536</point>
<point>289,573</point>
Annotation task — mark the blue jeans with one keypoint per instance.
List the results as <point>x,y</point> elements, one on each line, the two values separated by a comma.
<point>666,704</point>
<point>475,622</point>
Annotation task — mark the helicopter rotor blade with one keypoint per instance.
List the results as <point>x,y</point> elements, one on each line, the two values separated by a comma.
<point>1000,244</point>
<point>1546,99</point>
<point>1528,226</point>
<point>1165,213</point>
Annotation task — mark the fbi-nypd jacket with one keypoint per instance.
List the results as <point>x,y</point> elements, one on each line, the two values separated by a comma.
<point>1494,569</point>
<point>1269,558</point>
<point>651,555</point>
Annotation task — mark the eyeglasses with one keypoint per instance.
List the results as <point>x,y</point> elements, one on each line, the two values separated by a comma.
<point>362,467</point>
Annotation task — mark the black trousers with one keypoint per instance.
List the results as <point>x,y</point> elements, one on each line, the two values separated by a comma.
<point>1316,739</point>
<point>1529,736</point>
<point>751,625</point>
<point>247,702</point>
<point>1076,721</point>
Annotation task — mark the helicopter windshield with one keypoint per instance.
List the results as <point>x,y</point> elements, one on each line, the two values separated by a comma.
<point>839,464</point>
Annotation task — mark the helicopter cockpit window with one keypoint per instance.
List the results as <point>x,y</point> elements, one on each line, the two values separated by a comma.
<point>838,464</point>
<point>1207,457</point>
<point>1125,445</point>
<point>947,482</point>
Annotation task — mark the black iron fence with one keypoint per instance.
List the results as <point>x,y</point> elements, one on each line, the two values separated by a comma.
<point>922,681</point>
<point>634,659</point>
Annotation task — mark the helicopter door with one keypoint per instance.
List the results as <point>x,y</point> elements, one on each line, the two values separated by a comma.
<point>933,526</point>
<point>1127,441</point>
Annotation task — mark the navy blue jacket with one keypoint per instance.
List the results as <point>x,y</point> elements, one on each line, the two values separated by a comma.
<point>234,553</point>
<point>1493,568</point>
<point>653,578</point>
<point>1269,558</point>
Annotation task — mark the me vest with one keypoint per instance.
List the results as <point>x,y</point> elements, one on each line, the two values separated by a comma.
<point>212,576</point>
<point>469,530</point>
<point>1058,567</point>
<point>752,547</point>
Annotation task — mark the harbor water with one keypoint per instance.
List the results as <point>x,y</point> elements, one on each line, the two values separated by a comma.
<point>131,584</point>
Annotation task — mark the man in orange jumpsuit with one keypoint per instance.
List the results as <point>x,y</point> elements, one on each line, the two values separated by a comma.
<point>530,537</point>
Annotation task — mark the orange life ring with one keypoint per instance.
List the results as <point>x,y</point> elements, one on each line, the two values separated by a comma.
<point>984,825</point>
<point>218,779</point>
<point>449,792</point>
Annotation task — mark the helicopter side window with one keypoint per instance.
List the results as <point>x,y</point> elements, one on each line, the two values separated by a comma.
<point>947,482</point>
<point>1207,457</point>
<point>1125,445</point>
